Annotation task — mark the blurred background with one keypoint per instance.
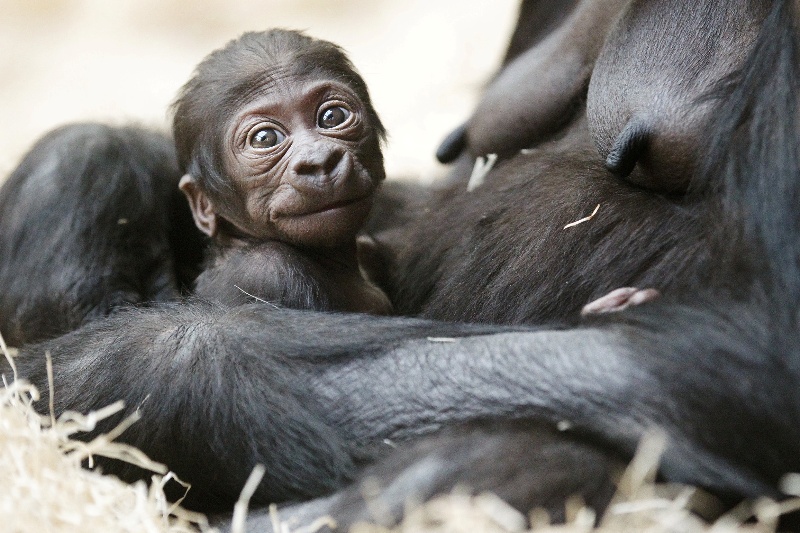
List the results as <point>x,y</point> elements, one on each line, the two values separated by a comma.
<point>123,61</point>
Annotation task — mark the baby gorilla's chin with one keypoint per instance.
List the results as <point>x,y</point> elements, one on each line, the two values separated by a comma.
<point>327,226</point>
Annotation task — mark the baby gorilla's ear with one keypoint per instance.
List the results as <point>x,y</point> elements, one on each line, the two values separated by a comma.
<point>203,210</point>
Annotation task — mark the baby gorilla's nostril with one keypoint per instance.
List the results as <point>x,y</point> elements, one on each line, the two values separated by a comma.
<point>317,165</point>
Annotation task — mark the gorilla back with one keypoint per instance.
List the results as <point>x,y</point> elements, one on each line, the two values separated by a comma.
<point>90,220</point>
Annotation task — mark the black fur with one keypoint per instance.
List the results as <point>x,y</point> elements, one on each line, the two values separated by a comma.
<point>755,152</point>
<point>501,253</point>
<point>91,220</point>
<point>220,390</point>
<point>482,456</point>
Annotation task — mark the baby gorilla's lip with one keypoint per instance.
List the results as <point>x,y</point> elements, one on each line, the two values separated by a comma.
<point>335,205</point>
<point>329,207</point>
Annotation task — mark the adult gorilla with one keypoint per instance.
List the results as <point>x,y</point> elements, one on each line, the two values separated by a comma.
<point>314,396</point>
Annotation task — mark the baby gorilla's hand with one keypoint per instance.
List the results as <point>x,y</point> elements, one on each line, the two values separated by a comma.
<point>619,299</point>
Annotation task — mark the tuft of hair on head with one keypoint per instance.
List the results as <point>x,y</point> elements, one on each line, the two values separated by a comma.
<point>229,76</point>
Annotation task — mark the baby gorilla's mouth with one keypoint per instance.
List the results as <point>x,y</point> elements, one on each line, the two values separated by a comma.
<point>335,205</point>
<point>312,209</point>
<point>325,223</point>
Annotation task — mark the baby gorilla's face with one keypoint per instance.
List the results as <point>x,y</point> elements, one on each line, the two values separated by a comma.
<point>300,156</point>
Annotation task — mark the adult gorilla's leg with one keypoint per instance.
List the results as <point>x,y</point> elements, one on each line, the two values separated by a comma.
<point>85,227</point>
<point>529,465</point>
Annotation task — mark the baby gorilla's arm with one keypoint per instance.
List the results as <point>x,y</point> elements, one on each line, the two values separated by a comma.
<point>269,271</point>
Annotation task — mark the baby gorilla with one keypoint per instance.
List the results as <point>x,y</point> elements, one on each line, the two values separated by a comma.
<point>281,150</point>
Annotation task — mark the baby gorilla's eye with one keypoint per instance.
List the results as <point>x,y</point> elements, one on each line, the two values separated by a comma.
<point>266,138</point>
<point>332,117</point>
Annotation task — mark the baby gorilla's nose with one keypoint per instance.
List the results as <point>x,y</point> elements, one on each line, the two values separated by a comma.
<point>317,166</point>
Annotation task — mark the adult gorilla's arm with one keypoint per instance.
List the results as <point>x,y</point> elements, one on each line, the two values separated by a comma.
<point>222,390</point>
<point>712,377</point>
<point>309,395</point>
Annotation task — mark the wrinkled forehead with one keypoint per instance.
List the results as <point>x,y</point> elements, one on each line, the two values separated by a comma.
<point>294,75</point>
<point>280,81</point>
<point>296,93</point>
